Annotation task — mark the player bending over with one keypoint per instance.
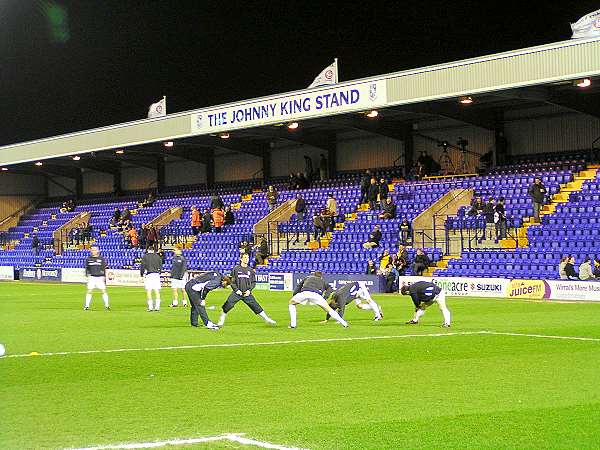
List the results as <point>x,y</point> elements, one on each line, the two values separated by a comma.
<point>150,270</point>
<point>178,269</point>
<point>356,291</point>
<point>313,289</point>
<point>425,294</point>
<point>243,280</point>
<point>197,289</point>
<point>95,270</point>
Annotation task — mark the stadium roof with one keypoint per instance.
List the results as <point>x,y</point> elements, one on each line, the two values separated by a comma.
<point>517,79</point>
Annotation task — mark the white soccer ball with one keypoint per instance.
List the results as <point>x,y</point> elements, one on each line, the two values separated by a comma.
<point>2,351</point>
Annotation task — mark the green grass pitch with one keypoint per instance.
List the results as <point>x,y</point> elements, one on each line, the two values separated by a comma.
<point>439,392</point>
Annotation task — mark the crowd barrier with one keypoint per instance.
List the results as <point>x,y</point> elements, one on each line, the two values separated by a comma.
<point>454,286</point>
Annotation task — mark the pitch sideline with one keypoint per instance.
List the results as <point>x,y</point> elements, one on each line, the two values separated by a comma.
<point>306,341</point>
<point>231,437</point>
<point>245,344</point>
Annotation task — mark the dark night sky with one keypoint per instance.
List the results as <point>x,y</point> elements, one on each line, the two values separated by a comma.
<point>121,55</point>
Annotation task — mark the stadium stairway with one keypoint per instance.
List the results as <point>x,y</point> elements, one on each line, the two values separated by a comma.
<point>562,196</point>
<point>569,227</point>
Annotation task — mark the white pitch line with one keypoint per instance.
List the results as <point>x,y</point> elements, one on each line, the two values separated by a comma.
<point>248,344</point>
<point>174,442</point>
<point>542,336</point>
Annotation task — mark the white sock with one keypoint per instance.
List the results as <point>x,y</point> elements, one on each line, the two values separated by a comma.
<point>418,314</point>
<point>105,298</point>
<point>266,318</point>
<point>446,314</point>
<point>157,303</point>
<point>184,301</point>
<point>88,300</point>
<point>292,309</point>
<point>375,307</point>
<point>210,324</point>
<point>222,319</point>
<point>175,302</point>
<point>150,304</point>
<point>338,318</point>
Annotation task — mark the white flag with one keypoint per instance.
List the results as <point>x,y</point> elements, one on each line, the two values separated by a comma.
<point>329,75</point>
<point>588,26</point>
<point>158,109</point>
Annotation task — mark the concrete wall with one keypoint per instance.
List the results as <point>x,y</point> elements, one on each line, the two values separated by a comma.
<point>236,166</point>
<point>178,173</point>
<point>17,191</point>
<point>549,129</point>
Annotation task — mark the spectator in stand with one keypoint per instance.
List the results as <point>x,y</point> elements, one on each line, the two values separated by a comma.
<point>500,219</point>
<point>216,202</point>
<point>332,210</point>
<point>229,217</point>
<point>537,192</point>
<point>245,247</point>
<point>303,182</point>
<point>142,234</point>
<point>300,208</point>
<point>421,263</point>
<point>319,225</point>
<point>148,201</point>
<point>308,167</point>
<point>206,222</point>
<point>116,216</point>
<point>68,206</point>
<point>218,218</point>
<point>371,269</point>
<point>489,210</point>
<point>372,194</point>
<point>405,231</point>
<point>384,260</point>
<point>374,238</point>
<point>365,182</point>
<point>400,261</point>
<point>561,268</point>
<point>384,190</point>
<point>477,207</point>
<point>596,267</point>
<point>88,230</point>
<point>389,277</point>
<point>323,167</point>
<point>151,237</point>
<point>126,214</point>
<point>570,269</point>
<point>134,241</point>
<point>196,221</point>
<point>272,198</point>
<point>585,270</point>
<point>389,209</point>
<point>262,252</point>
<point>292,182</point>
<point>35,245</point>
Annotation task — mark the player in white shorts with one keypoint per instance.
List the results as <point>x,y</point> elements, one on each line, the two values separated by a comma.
<point>150,269</point>
<point>95,270</point>
<point>313,289</point>
<point>178,278</point>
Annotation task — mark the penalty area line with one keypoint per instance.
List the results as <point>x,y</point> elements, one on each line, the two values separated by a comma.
<point>231,437</point>
<point>542,336</point>
<point>248,344</point>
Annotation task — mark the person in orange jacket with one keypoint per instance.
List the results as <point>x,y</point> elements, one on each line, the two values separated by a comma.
<point>196,221</point>
<point>218,217</point>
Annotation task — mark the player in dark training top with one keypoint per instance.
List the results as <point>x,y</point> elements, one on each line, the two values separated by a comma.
<point>357,292</point>
<point>313,289</point>
<point>197,289</point>
<point>243,280</point>
<point>95,270</point>
<point>425,294</point>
